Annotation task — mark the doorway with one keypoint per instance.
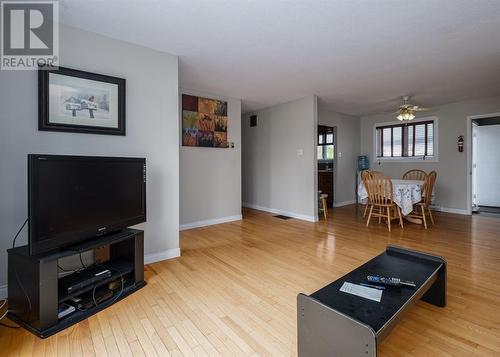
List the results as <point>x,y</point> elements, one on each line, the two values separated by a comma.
<point>485,168</point>
<point>326,161</point>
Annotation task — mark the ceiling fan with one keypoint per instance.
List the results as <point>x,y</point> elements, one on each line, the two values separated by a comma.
<point>406,111</point>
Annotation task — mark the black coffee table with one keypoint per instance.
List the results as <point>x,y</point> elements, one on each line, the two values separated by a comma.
<point>334,323</point>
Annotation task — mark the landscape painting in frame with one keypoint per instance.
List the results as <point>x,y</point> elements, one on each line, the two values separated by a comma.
<point>204,122</point>
<point>77,101</point>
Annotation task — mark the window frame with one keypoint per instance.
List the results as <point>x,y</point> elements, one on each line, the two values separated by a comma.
<point>325,130</point>
<point>433,158</point>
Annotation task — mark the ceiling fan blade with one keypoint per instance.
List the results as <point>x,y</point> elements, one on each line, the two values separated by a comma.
<point>419,109</point>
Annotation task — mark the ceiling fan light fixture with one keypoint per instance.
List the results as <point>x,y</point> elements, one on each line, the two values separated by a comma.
<point>405,114</point>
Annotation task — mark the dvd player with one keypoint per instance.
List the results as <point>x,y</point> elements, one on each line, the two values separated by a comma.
<point>84,278</point>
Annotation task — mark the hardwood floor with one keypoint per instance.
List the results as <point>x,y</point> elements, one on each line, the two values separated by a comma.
<point>233,291</point>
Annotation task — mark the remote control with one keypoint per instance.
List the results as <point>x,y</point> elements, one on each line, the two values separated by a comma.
<point>389,281</point>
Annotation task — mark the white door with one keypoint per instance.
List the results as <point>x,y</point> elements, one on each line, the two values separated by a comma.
<point>487,165</point>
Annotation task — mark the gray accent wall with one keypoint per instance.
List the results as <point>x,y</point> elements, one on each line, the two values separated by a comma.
<point>347,145</point>
<point>152,131</point>
<point>279,159</point>
<point>451,168</point>
<point>210,178</point>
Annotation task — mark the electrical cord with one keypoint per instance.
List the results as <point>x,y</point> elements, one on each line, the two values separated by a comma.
<point>5,314</point>
<point>65,270</point>
<point>18,281</point>
<point>17,234</point>
<point>83,265</point>
<point>68,270</point>
<point>81,260</point>
<point>6,310</point>
<point>116,297</point>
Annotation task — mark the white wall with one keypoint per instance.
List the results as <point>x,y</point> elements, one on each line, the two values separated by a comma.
<point>488,165</point>
<point>348,129</point>
<point>152,132</point>
<point>452,171</point>
<point>279,159</point>
<point>210,178</point>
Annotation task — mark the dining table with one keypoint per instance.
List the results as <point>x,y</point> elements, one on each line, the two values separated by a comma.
<point>405,194</point>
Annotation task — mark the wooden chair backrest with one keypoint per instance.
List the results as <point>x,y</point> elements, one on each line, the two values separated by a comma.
<point>364,175</point>
<point>379,188</point>
<point>429,187</point>
<point>377,174</point>
<point>415,175</point>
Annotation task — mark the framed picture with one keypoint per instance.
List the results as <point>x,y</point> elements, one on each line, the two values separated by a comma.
<point>80,102</point>
<point>204,122</point>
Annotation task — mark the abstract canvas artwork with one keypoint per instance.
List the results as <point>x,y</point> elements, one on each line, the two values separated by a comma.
<point>204,122</point>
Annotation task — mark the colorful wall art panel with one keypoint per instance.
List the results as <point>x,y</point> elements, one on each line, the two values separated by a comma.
<point>204,122</point>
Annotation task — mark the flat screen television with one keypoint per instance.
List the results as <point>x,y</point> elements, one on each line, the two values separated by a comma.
<point>76,198</point>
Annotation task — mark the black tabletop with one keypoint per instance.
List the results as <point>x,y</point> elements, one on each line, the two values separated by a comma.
<point>391,264</point>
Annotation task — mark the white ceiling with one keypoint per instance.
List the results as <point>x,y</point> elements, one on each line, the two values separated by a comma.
<point>358,56</point>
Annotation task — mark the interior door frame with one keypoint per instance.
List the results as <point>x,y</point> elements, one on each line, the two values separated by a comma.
<point>335,158</point>
<point>468,146</point>
<point>335,165</point>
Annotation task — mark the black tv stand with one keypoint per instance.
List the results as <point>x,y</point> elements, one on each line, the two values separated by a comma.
<point>34,292</point>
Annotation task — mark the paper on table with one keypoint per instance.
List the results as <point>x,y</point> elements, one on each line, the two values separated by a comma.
<point>362,291</point>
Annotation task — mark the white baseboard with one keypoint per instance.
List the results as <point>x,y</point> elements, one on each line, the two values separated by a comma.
<point>164,255</point>
<point>282,212</point>
<point>210,222</point>
<point>344,203</point>
<point>454,210</point>
<point>148,259</point>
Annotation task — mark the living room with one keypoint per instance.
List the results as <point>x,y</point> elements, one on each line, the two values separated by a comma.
<point>160,178</point>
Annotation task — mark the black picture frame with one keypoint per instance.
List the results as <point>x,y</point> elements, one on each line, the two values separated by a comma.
<point>44,122</point>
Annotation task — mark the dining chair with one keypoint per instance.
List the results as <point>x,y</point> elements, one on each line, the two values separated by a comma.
<point>423,205</point>
<point>376,174</point>
<point>415,175</point>
<point>379,188</point>
<point>364,176</point>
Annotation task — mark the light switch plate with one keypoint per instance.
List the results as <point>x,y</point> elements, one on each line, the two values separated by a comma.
<point>300,152</point>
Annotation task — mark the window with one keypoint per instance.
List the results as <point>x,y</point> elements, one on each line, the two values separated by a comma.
<point>326,146</point>
<point>405,140</point>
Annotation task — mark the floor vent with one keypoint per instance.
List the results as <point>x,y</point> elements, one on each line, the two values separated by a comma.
<point>280,216</point>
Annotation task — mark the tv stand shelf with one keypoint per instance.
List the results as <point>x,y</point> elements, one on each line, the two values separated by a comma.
<point>33,284</point>
<point>123,271</point>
